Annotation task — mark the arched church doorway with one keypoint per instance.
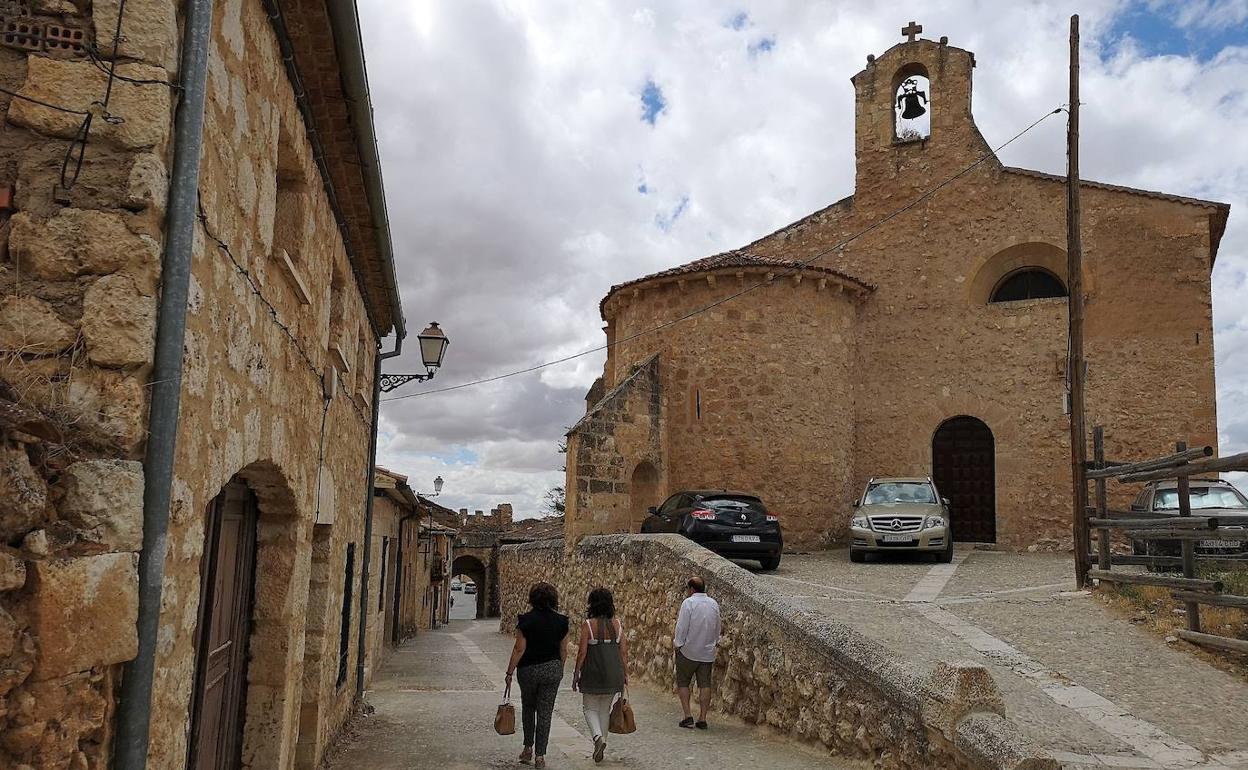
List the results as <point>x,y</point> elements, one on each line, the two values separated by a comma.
<point>643,492</point>
<point>964,469</point>
<point>226,592</point>
<point>472,567</point>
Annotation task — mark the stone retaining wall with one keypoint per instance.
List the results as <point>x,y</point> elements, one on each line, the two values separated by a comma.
<point>817,681</point>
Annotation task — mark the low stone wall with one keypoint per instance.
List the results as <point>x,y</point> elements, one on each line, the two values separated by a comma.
<point>814,680</point>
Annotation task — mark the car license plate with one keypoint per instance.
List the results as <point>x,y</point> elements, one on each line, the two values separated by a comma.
<point>1218,543</point>
<point>745,538</point>
<point>898,538</point>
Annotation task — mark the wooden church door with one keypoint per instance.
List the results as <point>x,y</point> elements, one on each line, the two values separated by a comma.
<point>964,469</point>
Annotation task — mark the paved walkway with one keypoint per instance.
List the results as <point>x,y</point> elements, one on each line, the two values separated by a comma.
<point>1087,685</point>
<point>435,699</point>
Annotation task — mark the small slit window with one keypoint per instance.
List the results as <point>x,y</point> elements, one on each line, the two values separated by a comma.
<point>1028,283</point>
<point>344,635</point>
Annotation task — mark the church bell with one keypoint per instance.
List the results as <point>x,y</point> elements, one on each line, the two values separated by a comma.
<point>912,108</point>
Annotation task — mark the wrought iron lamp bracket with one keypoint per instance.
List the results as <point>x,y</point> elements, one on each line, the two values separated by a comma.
<point>391,381</point>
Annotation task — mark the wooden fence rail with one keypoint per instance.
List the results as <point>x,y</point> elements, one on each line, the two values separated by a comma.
<point>1180,526</point>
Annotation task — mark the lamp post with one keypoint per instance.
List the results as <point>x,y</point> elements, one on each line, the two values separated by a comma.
<point>433,343</point>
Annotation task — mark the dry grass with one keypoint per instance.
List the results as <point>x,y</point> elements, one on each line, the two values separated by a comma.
<point>1153,608</point>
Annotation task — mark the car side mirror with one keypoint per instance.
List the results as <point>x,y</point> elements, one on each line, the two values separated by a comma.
<point>945,500</point>
<point>652,511</point>
<point>856,503</point>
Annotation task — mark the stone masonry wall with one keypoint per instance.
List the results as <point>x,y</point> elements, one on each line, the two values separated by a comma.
<point>623,431</point>
<point>259,347</point>
<point>79,270</point>
<point>813,680</point>
<point>274,312</point>
<point>757,392</point>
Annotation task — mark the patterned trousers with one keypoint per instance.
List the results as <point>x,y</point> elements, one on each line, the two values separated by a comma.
<point>539,686</point>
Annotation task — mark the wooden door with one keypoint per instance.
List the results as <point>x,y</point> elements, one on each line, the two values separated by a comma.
<point>224,625</point>
<point>964,469</point>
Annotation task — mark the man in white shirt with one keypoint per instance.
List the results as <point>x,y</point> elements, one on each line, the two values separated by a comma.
<point>697,633</point>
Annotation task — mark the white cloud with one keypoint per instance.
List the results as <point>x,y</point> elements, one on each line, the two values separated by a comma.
<point>513,147</point>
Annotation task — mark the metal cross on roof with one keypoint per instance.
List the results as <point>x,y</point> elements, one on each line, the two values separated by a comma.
<point>911,31</point>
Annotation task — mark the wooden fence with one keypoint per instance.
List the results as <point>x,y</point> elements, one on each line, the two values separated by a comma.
<point>1148,526</point>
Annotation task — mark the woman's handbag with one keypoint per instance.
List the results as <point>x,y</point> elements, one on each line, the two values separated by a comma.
<point>505,719</point>
<point>622,722</point>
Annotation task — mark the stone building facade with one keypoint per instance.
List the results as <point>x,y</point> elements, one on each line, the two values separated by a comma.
<point>933,343</point>
<point>416,557</point>
<point>291,292</point>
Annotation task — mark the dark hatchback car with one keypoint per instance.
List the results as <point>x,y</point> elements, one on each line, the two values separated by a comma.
<point>732,524</point>
<point>1209,497</point>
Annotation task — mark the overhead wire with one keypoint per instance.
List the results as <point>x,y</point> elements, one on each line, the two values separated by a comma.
<point>792,270</point>
<point>270,308</point>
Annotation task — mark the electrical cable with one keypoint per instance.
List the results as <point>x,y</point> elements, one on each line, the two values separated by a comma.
<point>42,103</point>
<point>242,270</point>
<point>792,270</point>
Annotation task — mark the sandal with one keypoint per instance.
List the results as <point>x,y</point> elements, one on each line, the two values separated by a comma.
<point>526,756</point>
<point>539,762</point>
<point>687,722</point>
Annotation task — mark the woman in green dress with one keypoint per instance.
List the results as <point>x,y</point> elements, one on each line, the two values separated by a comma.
<point>601,665</point>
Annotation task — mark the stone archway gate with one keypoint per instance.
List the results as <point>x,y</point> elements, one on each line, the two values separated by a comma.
<point>482,546</point>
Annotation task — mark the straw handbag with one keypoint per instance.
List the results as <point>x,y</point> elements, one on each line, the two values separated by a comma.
<point>622,722</point>
<point>505,719</point>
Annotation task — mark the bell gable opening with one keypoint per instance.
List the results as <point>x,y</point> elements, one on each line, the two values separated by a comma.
<point>912,104</point>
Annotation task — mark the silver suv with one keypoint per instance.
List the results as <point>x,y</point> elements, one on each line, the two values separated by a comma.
<point>901,514</point>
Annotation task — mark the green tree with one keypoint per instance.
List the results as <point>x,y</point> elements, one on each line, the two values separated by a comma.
<point>556,497</point>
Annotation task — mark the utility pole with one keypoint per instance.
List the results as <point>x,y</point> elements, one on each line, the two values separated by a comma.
<point>1075,366</point>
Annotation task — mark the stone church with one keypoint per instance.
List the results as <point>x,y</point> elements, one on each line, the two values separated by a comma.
<point>933,344</point>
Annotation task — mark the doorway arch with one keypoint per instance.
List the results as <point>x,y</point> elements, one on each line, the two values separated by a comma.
<point>475,569</point>
<point>643,492</point>
<point>964,469</point>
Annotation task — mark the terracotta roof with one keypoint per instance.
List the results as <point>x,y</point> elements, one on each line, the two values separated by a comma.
<point>737,258</point>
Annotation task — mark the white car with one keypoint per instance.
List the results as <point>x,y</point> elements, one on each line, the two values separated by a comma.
<point>456,585</point>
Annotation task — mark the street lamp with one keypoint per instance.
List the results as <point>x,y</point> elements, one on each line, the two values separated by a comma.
<point>433,344</point>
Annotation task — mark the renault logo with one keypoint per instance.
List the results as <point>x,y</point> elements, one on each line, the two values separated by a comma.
<point>896,523</point>
<point>744,517</point>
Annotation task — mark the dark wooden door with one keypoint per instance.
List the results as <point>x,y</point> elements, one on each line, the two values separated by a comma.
<point>224,625</point>
<point>964,469</point>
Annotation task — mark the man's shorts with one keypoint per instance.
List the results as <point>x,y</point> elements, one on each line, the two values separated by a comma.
<point>686,669</point>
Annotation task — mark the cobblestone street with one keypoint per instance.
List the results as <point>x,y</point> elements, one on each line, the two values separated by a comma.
<point>436,695</point>
<point>1087,685</point>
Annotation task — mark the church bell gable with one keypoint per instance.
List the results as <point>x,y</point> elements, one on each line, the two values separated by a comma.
<point>912,115</point>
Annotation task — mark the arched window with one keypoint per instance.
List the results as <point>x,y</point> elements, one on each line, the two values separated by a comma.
<point>912,104</point>
<point>1028,283</point>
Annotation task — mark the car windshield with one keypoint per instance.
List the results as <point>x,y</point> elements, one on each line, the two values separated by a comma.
<point>892,492</point>
<point>1202,498</point>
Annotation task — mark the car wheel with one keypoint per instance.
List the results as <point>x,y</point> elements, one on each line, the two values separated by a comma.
<point>857,556</point>
<point>769,564</point>
<point>945,556</point>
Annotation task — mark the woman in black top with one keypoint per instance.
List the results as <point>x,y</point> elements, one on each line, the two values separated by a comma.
<point>537,661</point>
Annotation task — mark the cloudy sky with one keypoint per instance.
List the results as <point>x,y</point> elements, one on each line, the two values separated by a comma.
<point>535,153</point>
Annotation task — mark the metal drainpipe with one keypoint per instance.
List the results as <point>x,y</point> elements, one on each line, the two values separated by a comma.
<point>361,646</point>
<point>135,708</point>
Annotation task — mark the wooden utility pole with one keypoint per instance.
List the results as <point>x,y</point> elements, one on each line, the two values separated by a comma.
<point>1074,284</point>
